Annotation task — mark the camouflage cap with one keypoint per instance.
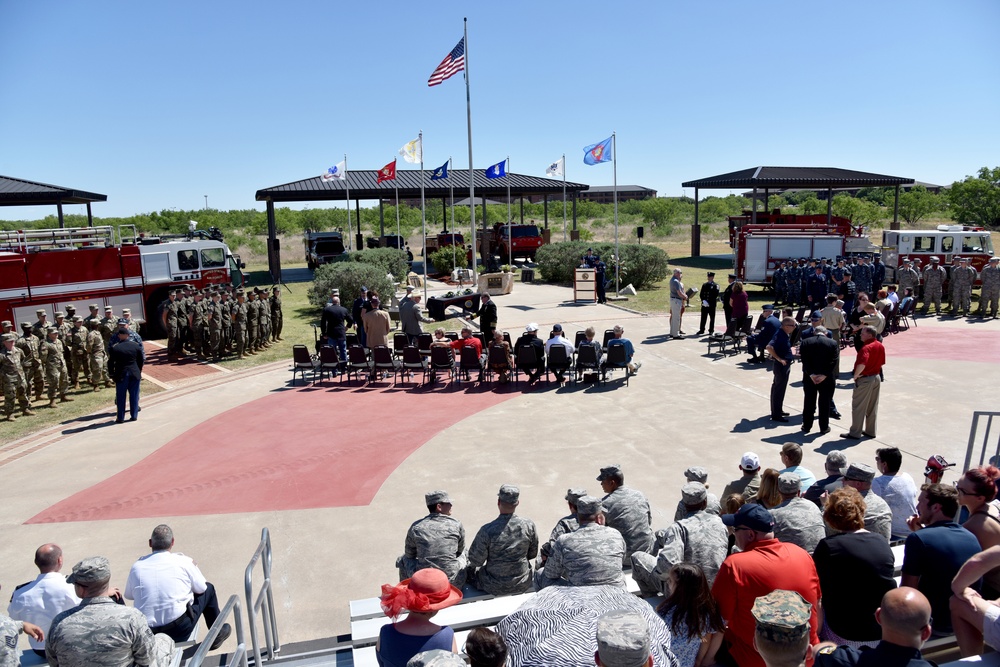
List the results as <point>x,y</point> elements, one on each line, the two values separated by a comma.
<point>694,493</point>
<point>94,306</point>
<point>435,497</point>
<point>860,472</point>
<point>623,639</point>
<point>436,658</point>
<point>509,494</point>
<point>609,471</point>
<point>90,571</point>
<point>59,315</point>
<point>70,309</point>
<point>6,324</point>
<point>589,505</point>
<point>108,309</point>
<point>789,482</point>
<point>782,616</point>
<point>8,337</point>
<point>574,494</point>
<point>51,330</point>
<point>696,474</point>
<point>77,318</point>
<point>40,312</point>
<point>126,311</point>
<point>25,325</point>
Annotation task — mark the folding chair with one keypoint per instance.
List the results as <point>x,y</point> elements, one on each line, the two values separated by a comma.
<point>451,335</point>
<point>526,358</point>
<point>357,361</point>
<point>586,359</point>
<point>615,359</point>
<point>906,314</point>
<point>414,361</point>
<point>580,337</point>
<point>481,337</point>
<point>740,336</point>
<point>329,363</point>
<point>497,361</point>
<point>424,341</point>
<point>468,360</point>
<point>301,362</point>
<point>560,360</point>
<point>442,359</point>
<point>399,342</point>
<point>384,362</point>
<point>352,340</point>
<point>608,335</point>
<point>506,338</point>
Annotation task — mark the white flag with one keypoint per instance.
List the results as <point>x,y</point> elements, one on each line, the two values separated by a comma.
<point>412,151</point>
<point>336,172</point>
<point>556,168</point>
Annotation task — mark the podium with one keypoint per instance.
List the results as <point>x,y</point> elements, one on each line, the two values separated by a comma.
<point>584,285</point>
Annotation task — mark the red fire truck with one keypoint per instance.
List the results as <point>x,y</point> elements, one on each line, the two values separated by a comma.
<point>53,268</point>
<point>947,243</point>
<point>760,248</point>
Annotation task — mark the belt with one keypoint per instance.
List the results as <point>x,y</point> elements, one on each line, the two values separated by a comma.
<point>873,375</point>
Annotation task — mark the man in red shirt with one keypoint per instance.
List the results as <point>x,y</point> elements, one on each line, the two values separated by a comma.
<point>864,404</point>
<point>468,341</point>
<point>763,565</point>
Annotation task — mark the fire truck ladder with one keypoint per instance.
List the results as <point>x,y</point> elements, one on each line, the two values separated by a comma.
<point>33,240</point>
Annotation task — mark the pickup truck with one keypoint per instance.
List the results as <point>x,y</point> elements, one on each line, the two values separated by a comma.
<point>527,239</point>
<point>437,241</point>
<point>323,248</point>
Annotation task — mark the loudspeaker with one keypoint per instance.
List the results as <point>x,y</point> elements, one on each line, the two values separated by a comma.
<point>639,231</point>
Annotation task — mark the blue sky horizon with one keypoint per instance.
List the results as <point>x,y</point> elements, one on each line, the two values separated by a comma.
<point>158,104</point>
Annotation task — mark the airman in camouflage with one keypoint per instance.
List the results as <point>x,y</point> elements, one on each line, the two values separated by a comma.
<point>226,308</point>
<point>437,540</point>
<point>12,377</point>
<point>696,474</point>
<point>38,328</point>
<point>963,278</point>
<point>501,554</point>
<point>878,515</point>
<point>239,317</point>
<point>196,320</point>
<point>264,323</point>
<point>95,315</point>
<point>109,324</point>
<point>782,627</point>
<point>567,524</point>
<point>9,630</point>
<point>97,357</point>
<point>700,538</point>
<point>29,346</point>
<point>627,511</point>
<point>253,321</point>
<point>907,277</point>
<point>793,283</point>
<point>100,633</point>
<point>797,520</point>
<point>778,281</point>
<point>623,639</point>
<point>54,362</point>
<point>78,348</point>
<point>277,315</point>
<point>65,334</point>
<point>592,555</point>
<point>170,310</point>
<point>989,297</point>
<point>934,277</point>
<point>213,322</point>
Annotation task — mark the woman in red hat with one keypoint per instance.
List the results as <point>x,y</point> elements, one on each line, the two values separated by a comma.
<point>422,596</point>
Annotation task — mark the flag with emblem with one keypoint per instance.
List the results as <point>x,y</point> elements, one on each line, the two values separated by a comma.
<point>412,151</point>
<point>452,64</point>
<point>387,173</point>
<point>557,168</point>
<point>597,153</point>
<point>337,172</point>
<point>440,172</point>
<point>499,170</point>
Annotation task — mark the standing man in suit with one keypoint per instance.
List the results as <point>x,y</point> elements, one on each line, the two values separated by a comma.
<point>411,317</point>
<point>709,297</point>
<point>820,355</point>
<point>125,367</point>
<point>487,315</point>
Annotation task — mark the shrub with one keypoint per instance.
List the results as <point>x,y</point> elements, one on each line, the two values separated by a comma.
<point>390,260</point>
<point>348,277</point>
<point>443,259</point>
<point>644,265</point>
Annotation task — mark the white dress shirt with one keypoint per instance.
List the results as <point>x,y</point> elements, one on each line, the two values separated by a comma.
<point>40,601</point>
<point>162,584</point>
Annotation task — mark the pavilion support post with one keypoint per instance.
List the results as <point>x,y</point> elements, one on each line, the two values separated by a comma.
<point>574,211</point>
<point>829,206</point>
<point>381,218</point>
<point>895,210</point>
<point>357,216</point>
<point>753,209</point>
<point>522,210</point>
<point>62,223</point>
<point>545,210</point>
<point>444,212</point>
<point>273,248</point>
<point>90,215</point>
<point>696,230</point>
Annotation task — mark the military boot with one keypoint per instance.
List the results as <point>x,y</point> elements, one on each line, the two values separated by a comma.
<point>52,403</point>
<point>11,417</point>
<point>63,398</point>
<point>76,385</point>
<point>28,412</point>
<point>97,387</point>
<point>38,395</point>
<point>108,384</point>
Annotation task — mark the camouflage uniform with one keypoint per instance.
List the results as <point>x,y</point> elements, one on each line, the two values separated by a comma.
<point>264,323</point>
<point>793,284</point>
<point>502,553</point>
<point>590,556</point>
<point>196,316</point>
<point>878,516</point>
<point>226,310</point>
<point>799,522</point>
<point>778,280</point>
<point>98,358</point>
<point>29,346</point>
<point>12,376</point>
<point>78,348</point>
<point>627,511</point>
<point>962,279</point>
<point>701,539</point>
<point>9,630</point>
<point>277,316</point>
<point>239,317</point>
<point>171,321</point>
<point>437,540</point>
<point>56,374</point>
<point>934,276</point>
<point>863,278</point>
<point>213,320</point>
<point>989,298</point>
<point>38,328</point>
<point>907,277</point>
<point>253,321</point>
<point>100,633</point>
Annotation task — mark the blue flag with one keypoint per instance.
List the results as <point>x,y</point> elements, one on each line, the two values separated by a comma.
<point>499,170</point>
<point>597,153</point>
<point>440,172</point>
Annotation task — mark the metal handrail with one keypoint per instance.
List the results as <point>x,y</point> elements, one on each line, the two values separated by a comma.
<point>239,655</point>
<point>984,457</point>
<point>263,602</point>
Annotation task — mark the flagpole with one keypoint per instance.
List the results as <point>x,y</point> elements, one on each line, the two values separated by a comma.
<point>472,185</point>
<point>347,182</point>
<point>396,188</point>
<point>451,192</point>
<point>564,195</point>
<point>423,213</point>
<point>614,169</point>
<point>510,239</point>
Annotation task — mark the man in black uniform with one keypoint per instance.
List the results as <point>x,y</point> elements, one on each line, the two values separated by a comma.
<point>334,325</point>
<point>819,355</point>
<point>357,308</point>
<point>905,617</point>
<point>487,315</point>
<point>709,297</point>
<point>727,294</point>
<point>600,271</point>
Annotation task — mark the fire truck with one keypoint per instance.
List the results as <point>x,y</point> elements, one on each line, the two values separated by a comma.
<point>760,248</point>
<point>947,243</point>
<point>53,268</point>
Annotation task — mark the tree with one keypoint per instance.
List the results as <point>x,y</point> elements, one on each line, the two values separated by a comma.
<point>976,200</point>
<point>858,211</point>
<point>917,204</point>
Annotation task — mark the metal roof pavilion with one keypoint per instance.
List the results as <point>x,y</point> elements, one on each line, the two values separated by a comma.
<point>19,192</point>
<point>783,178</point>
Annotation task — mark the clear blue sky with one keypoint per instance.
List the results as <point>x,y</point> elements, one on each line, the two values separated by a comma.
<point>156,104</point>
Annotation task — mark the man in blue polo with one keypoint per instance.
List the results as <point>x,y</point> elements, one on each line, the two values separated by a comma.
<point>780,349</point>
<point>619,339</point>
<point>758,341</point>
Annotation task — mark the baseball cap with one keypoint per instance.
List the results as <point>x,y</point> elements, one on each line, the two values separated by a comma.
<point>750,461</point>
<point>752,516</point>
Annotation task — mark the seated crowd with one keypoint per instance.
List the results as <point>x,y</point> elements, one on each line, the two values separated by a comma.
<point>82,619</point>
<point>783,568</point>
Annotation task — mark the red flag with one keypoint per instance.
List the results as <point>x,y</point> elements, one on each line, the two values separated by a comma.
<point>387,173</point>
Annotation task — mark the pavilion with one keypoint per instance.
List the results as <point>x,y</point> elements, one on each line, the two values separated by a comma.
<point>19,192</point>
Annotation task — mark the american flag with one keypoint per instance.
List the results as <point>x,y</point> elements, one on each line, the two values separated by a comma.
<point>452,64</point>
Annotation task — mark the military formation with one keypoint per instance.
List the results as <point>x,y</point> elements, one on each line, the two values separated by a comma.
<point>793,279</point>
<point>221,321</point>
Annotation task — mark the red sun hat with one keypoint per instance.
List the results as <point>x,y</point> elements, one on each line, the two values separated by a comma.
<point>427,590</point>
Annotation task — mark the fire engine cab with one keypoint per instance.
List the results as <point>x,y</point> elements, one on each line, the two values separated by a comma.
<point>53,268</point>
<point>947,243</point>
